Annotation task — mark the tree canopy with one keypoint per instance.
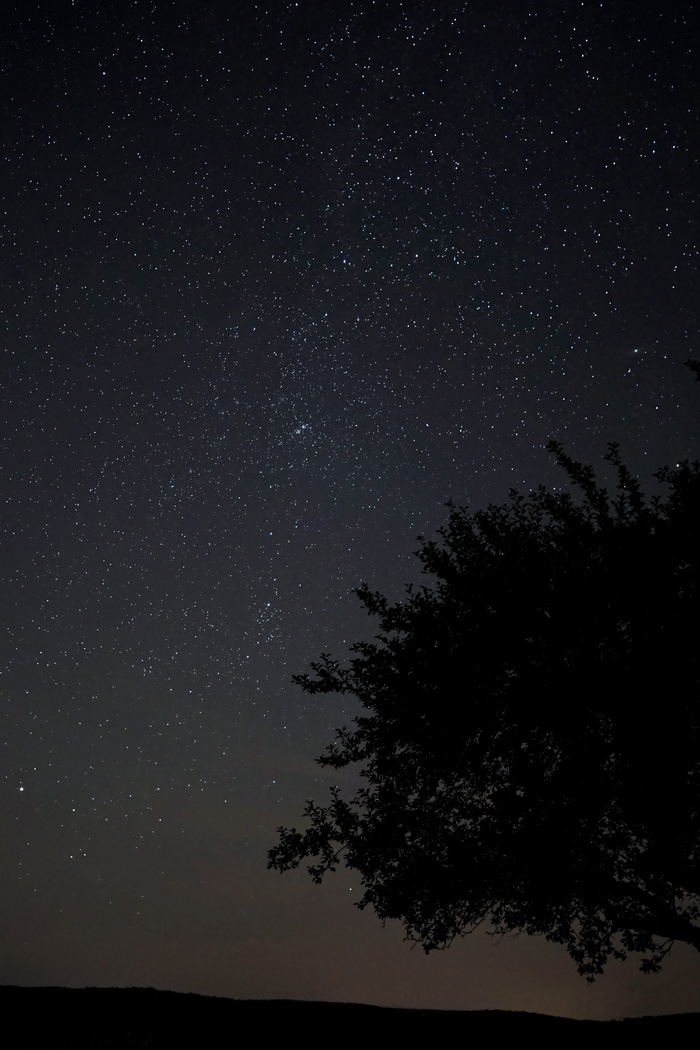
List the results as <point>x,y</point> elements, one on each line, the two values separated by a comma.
<point>530,739</point>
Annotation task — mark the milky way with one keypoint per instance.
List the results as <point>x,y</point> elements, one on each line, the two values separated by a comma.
<point>280,280</point>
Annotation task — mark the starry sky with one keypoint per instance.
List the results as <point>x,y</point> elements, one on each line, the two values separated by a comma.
<point>279,279</point>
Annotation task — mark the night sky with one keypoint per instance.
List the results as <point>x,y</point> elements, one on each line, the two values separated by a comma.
<point>279,279</point>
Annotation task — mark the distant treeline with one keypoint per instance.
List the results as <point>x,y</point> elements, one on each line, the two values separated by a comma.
<point>82,1018</point>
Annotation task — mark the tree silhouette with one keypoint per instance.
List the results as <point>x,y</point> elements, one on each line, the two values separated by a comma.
<point>530,747</point>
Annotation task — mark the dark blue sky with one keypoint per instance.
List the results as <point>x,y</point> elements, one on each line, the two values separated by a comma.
<point>280,279</point>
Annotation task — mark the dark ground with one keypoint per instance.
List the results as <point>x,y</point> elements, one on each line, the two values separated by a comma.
<point>143,1017</point>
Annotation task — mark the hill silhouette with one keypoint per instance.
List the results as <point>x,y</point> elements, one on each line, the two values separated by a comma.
<point>110,1018</point>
